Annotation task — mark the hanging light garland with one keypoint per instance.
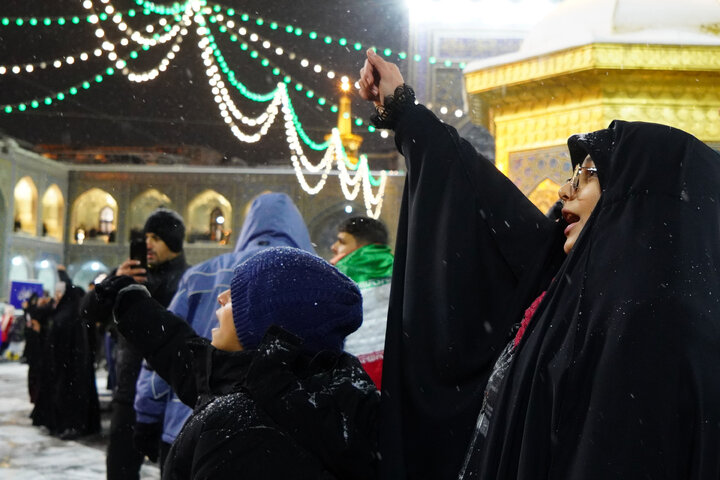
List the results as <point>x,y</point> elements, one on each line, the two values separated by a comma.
<point>334,151</point>
<point>265,61</point>
<point>339,41</point>
<point>226,106</point>
<point>140,77</point>
<point>192,12</point>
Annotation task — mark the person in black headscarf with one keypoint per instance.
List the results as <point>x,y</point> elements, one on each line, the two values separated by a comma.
<point>36,310</point>
<point>616,374</point>
<point>613,372</point>
<point>67,402</point>
<point>466,267</point>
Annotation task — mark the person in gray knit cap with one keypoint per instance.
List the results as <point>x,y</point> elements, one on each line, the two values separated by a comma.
<point>274,394</point>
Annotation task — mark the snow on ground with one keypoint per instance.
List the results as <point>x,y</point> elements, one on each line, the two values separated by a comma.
<point>29,453</point>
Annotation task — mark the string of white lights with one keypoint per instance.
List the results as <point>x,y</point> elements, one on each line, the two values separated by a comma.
<point>317,68</point>
<point>345,182</point>
<point>56,63</point>
<point>334,154</point>
<point>294,141</point>
<point>225,103</point>
<point>84,56</point>
<point>278,50</point>
<point>326,162</point>
<point>368,197</point>
<point>362,177</point>
<point>153,73</point>
<point>135,35</point>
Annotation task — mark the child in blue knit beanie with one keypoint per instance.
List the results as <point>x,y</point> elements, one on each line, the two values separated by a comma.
<point>274,394</point>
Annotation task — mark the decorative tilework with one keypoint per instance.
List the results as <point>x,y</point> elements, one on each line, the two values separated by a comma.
<point>528,169</point>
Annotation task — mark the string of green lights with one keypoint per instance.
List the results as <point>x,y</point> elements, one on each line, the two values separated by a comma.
<point>175,9</point>
<point>329,39</point>
<point>58,96</point>
<point>149,8</point>
<point>287,78</point>
<point>230,76</point>
<point>65,19</point>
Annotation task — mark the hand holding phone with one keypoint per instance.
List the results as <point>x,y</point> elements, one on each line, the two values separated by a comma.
<point>136,265</point>
<point>138,251</point>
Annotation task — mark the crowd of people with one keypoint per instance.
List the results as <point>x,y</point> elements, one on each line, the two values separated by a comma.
<point>496,343</point>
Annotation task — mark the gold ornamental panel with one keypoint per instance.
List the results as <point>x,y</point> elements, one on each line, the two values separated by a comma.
<point>592,57</point>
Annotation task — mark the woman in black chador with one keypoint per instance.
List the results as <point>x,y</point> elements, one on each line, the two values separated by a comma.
<point>37,310</point>
<point>67,401</point>
<point>614,370</point>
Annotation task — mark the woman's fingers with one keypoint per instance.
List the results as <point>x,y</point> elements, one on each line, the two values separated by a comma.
<point>368,90</point>
<point>386,75</point>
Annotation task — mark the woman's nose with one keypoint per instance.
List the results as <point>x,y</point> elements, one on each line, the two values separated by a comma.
<point>565,192</point>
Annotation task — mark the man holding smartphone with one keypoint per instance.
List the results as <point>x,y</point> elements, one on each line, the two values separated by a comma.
<point>164,234</point>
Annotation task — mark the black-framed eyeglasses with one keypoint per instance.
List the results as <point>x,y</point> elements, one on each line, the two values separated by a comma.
<point>575,180</point>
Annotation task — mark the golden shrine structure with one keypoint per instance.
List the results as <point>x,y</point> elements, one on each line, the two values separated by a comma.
<point>591,62</point>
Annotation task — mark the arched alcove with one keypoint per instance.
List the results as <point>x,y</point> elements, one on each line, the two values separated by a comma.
<point>209,218</point>
<point>20,269</point>
<point>323,228</point>
<point>94,217</point>
<point>47,274</point>
<point>144,204</point>
<point>26,199</point>
<point>88,272</point>
<point>53,213</point>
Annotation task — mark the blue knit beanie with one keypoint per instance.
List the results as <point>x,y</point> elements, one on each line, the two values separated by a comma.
<point>297,291</point>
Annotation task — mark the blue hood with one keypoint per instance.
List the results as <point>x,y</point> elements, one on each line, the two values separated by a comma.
<point>273,221</point>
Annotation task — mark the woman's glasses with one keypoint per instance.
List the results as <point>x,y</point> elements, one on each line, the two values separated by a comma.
<point>581,175</point>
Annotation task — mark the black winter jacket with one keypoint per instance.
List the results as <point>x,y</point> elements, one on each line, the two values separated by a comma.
<point>272,412</point>
<point>162,282</point>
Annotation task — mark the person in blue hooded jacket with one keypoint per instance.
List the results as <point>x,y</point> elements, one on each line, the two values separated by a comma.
<point>273,220</point>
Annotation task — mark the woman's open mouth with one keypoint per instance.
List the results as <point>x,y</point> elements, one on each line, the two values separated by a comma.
<point>571,219</point>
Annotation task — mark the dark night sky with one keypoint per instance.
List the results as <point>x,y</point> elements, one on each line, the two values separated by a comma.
<point>177,107</point>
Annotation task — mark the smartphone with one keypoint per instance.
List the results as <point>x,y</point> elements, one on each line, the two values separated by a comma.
<point>138,251</point>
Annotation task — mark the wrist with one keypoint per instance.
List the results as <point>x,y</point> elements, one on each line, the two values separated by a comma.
<point>393,107</point>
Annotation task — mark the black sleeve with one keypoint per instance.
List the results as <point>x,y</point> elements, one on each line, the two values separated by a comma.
<point>163,339</point>
<point>466,238</point>
<point>338,405</point>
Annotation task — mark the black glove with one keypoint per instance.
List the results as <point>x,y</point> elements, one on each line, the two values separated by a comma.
<point>106,291</point>
<point>146,439</point>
